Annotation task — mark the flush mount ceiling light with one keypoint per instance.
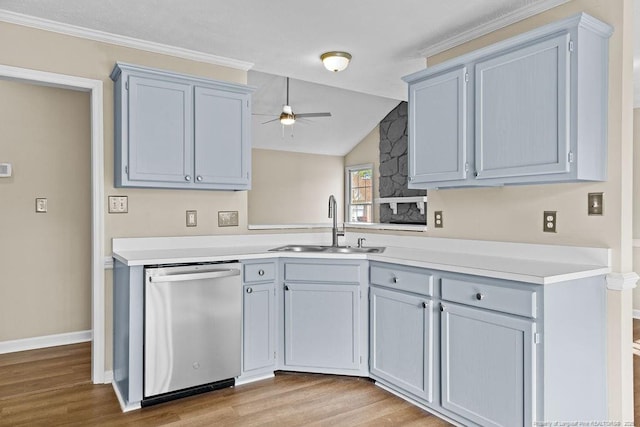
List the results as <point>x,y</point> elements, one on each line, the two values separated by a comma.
<point>335,61</point>
<point>287,117</point>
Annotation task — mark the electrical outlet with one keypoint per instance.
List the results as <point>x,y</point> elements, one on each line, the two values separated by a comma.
<point>41,205</point>
<point>549,222</point>
<point>192,218</point>
<point>118,204</point>
<point>227,218</point>
<point>438,219</point>
<point>595,204</point>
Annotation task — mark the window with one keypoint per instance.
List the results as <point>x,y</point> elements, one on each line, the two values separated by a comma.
<point>359,194</point>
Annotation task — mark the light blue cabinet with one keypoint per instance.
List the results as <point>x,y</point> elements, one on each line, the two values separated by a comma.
<point>487,364</point>
<point>537,111</point>
<point>179,131</point>
<point>259,318</point>
<point>437,128</point>
<point>401,343</point>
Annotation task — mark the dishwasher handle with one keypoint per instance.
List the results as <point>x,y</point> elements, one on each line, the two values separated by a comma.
<point>182,277</point>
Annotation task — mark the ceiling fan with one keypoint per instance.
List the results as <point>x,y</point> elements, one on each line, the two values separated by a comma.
<point>288,117</point>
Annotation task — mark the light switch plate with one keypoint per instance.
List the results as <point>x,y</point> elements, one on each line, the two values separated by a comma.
<point>118,204</point>
<point>595,204</point>
<point>192,218</point>
<point>438,219</point>
<point>227,218</point>
<point>41,205</point>
<point>549,221</point>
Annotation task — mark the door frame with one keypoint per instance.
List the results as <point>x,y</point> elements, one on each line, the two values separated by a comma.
<point>94,87</point>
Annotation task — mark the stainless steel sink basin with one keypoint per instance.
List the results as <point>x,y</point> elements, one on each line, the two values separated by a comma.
<point>328,249</point>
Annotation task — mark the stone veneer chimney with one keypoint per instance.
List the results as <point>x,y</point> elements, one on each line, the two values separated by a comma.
<point>393,168</point>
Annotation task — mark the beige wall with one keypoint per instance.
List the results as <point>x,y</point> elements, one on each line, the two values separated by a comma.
<point>368,151</point>
<point>45,279</point>
<point>514,213</point>
<point>636,201</point>
<point>294,188</point>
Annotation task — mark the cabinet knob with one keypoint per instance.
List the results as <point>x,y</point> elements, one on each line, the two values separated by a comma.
<point>425,304</point>
<point>187,178</point>
<point>249,290</point>
<point>395,279</point>
<point>286,288</point>
<point>260,272</point>
<point>442,307</point>
<point>479,296</point>
<point>199,178</point>
<point>410,178</point>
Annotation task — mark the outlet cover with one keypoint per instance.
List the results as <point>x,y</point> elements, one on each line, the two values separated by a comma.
<point>595,206</point>
<point>192,218</point>
<point>41,205</point>
<point>549,222</point>
<point>438,219</point>
<point>227,218</point>
<point>118,204</point>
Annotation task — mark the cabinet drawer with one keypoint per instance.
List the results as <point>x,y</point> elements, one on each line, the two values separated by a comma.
<point>401,278</point>
<point>518,301</point>
<point>262,272</point>
<point>347,273</point>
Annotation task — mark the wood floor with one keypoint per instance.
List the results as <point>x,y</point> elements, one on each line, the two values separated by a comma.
<point>52,387</point>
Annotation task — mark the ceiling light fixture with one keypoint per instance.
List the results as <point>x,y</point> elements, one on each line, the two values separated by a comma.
<point>335,61</point>
<point>287,117</point>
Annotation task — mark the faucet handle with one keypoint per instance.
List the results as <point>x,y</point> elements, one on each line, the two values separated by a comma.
<point>360,240</point>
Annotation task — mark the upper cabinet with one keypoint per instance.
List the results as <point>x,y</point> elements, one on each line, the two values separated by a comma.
<point>530,109</point>
<point>178,131</point>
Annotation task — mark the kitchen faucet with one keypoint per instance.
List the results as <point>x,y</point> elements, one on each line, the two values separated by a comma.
<point>333,208</point>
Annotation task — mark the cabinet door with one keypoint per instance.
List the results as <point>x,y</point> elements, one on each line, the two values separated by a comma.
<point>322,326</point>
<point>258,326</point>
<point>487,366</point>
<point>222,138</point>
<point>522,111</point>
<point>160,138</point>
<point>401,343</point>
<point>437,128</point>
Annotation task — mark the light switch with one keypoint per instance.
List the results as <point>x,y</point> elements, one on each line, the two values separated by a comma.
<point>118,204</point>
<point>595,206</point>
<point>192,218</point>
<point>41,205</point>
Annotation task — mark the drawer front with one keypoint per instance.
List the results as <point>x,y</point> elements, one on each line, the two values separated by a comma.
<point>521,302</point>
<point>262,272</point>
<point>402,279</point>
<point>307,272</point>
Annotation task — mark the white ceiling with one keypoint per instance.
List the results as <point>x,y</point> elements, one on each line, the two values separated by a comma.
<point>388,39</point>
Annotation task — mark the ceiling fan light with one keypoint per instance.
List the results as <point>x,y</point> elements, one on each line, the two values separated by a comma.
<point>335,61</point>
<point>287,119</point>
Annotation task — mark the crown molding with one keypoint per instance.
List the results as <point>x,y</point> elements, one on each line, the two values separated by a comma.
<point>130,42</point>
<point>486,28</point>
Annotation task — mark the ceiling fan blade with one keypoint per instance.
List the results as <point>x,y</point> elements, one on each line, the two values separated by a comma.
<point>269,121</point>
<point>313,115</point>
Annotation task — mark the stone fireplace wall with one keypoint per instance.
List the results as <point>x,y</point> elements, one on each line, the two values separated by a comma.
<point>393,168</point>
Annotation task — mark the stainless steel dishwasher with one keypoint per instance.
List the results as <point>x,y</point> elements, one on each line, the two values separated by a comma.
<point>193,329</point>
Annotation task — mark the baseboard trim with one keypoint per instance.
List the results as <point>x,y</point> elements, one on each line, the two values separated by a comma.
<point>124,406</point>
<point>247,380</point>
<point>44,341</point>
<point>108,377</point>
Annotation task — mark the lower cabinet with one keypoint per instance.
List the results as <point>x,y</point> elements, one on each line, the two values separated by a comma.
<point>259,318</point>
<point>258,327</point>
<point>487,362</point>
<point>401,341</point>
<point>321,326</point>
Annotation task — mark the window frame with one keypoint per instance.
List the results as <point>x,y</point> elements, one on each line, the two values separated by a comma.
<point>347,191</point>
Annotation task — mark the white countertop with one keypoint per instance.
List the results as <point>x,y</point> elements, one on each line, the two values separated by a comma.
<point>488,261</point>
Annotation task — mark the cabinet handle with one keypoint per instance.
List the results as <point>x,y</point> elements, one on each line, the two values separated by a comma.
<point>187,178</point>
<point>395,279</point>
<point>442,307</point>
<point>199,178</point>
<point>249,290</point>
<point>479,296</point>
<point>286,288</point>
<point>260,272</point>
<point>425,304</point>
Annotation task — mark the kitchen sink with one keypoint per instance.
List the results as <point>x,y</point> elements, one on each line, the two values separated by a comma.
<point>328,249</point>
